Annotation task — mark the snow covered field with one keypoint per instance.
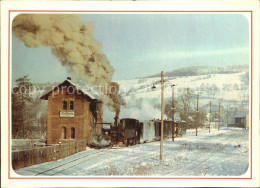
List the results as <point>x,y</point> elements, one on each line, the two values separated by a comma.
<point>219,153</point>
<point>231,90</point>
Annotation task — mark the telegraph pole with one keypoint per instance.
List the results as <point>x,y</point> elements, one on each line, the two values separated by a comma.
<point>218,116</point>
<point>209,115</point>
<point>162,113</point>
<point>197,114</point>
<point>173,123</point>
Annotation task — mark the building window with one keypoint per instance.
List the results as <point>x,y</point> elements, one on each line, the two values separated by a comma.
<point>73,132</point>
<point>71,105</point>
<point>64,105</point>
<point>63,132</point>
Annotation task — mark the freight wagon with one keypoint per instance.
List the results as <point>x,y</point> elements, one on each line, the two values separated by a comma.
<point>151,130</point>
<point>131,131</point>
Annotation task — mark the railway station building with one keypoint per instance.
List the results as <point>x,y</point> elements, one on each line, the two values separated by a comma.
<point>73,113</point>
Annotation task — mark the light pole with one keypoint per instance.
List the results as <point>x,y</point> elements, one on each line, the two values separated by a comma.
<point>173,108</point>
<point>162,112</point>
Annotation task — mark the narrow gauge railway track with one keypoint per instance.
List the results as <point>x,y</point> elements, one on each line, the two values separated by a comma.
<point>113,155</point>
<point>126,160</point>
<point>64,166</point>
<point>83,161</point>
<point>67,165</point>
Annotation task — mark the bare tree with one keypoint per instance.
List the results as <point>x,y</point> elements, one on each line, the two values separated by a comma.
<point>168,108</point>
<point>214,91</point>
<point>184,106</point>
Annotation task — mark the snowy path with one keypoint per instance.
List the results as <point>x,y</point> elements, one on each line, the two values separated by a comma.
<point>220,153</point>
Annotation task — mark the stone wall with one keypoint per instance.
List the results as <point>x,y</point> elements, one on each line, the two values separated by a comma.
<point>21,159</point>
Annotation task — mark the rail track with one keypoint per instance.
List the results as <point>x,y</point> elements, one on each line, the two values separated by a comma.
<point>85,158</point>
<point>62,167</point>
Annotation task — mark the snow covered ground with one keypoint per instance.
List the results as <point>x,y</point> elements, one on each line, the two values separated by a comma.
<point>229,86</point>
<point>219,153</point>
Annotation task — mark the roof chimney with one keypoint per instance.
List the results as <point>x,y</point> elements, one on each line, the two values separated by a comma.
<point>68,78</point>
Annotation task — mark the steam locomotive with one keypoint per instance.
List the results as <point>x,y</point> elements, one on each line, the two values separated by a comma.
<point>129,131</point>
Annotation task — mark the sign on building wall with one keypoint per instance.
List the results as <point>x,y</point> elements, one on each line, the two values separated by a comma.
<point>66,113</point>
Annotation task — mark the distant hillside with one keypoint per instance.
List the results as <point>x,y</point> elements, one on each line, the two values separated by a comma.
<point>203,70</point>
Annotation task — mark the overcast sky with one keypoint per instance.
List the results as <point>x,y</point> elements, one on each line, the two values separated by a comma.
<point>144,44</point>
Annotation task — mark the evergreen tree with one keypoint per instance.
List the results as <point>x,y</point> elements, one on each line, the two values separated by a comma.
<point>20,96</point>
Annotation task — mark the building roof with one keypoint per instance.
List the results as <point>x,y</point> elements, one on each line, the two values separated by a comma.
<point>242,114</point>
<point>85,90</point>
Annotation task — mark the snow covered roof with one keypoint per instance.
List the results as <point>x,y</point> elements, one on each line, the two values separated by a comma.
<point>94,95</point>
<point>242,114</point>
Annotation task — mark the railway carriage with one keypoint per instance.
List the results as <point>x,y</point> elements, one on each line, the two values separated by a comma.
<point>131,131</point>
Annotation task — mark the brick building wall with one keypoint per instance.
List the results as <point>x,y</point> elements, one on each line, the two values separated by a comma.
<point>61,127</point>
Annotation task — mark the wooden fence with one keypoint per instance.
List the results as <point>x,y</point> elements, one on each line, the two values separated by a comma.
<point>21,159</point>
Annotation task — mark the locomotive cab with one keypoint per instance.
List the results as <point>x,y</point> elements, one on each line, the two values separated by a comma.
<point>129,131</point>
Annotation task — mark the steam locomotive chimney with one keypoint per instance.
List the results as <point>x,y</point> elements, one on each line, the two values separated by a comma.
<point>116,120</point>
